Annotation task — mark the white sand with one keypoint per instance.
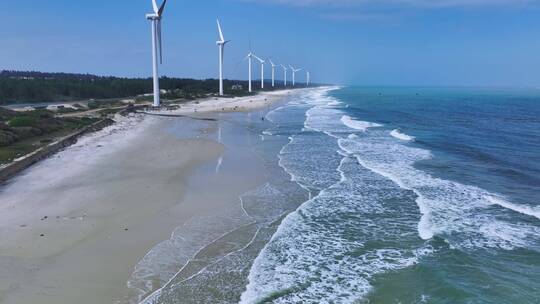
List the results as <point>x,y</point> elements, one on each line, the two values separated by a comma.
<point>239,104</point>
<point>73,227</point>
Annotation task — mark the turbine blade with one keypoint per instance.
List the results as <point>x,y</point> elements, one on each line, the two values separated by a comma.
<point>222,39</point>
<point>160,12</point>
<point>260,60</point>
<point>155,6</point>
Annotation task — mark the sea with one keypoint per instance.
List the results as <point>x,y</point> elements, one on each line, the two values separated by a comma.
<point>388,195</point>
<point>417,195</point>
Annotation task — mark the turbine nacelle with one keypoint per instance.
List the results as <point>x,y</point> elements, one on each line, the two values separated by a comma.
<point>223,42</point>
<point>152,16</point>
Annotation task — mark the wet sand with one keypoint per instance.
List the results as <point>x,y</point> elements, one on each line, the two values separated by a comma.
<point>78,227</point>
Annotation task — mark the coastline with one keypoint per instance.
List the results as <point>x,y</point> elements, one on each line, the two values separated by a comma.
<point>72,234</point>
<point>199,106</point>
<point>227,105</point>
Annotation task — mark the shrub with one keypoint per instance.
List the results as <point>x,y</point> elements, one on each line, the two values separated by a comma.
<point>22,121</point>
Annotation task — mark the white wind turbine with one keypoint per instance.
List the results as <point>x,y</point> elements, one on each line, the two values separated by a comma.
<point>249,57</point>
<point>221,46</point>
<point>284,75</point>
<point>262,70</point>
<point>294,74</point>
<point>155,19</point>
<point>273,72</point>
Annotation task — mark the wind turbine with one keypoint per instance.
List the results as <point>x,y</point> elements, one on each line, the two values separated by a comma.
<point>155,19</point>
<point>294,74</point>
<point>273,72</point>
<point>262,70</point>
<point>284,75</point>
<point>249,57</point>
<point>308,76</point>
<point>221,46</point>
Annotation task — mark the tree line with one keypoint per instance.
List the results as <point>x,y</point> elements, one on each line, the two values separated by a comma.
<point>35,87</point>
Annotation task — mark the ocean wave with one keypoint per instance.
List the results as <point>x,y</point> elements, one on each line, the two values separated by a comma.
<point>401,136</point>
<point>449,209</point>
<point>319,251</point>
<point>523,209</point>
<point>358,124</point>
<point>167,259</point>
<point>378,214</point>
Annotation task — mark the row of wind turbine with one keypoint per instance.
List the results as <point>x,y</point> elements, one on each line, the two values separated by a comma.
<point>157,56</point>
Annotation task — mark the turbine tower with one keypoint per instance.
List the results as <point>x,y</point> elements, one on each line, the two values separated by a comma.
<point>262,70</point>
<point>249,57</point>
<point>294,74</point>
<point>273,72</point>
<point>221,46</point>
<point>155,19</point>
<point>284,75</point>
<point>308,78</point>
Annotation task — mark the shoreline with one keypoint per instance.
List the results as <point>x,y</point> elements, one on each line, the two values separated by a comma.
<point>63,232</point>
<point>200,106</point>
<point>228,104</point>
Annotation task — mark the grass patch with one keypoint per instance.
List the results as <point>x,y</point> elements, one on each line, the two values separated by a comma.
<point>22,121</point>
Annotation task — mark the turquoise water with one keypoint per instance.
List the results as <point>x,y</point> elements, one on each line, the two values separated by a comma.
<point>418,195</point>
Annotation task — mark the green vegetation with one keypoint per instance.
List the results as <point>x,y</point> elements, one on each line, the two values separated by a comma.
<point>22,121</point>
<point>23,132</point>
<point>35,87</point>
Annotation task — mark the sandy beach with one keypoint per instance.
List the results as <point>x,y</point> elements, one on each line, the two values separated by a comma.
<point>86,225</point>
<point>226,104</point>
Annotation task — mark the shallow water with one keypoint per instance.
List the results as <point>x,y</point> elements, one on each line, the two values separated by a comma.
<point>381,195</point>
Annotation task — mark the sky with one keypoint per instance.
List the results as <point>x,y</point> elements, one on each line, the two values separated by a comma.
<point>351,42</point>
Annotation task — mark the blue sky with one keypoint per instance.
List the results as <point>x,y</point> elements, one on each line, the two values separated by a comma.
<point>364,42</point>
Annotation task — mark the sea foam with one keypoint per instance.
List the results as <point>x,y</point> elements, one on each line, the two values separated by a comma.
<point>309,258</point>
<point>449,209</point>
<point>523,209</point>
<point>330,247</point>
<point>358,124</point>
<point>401,136</point>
